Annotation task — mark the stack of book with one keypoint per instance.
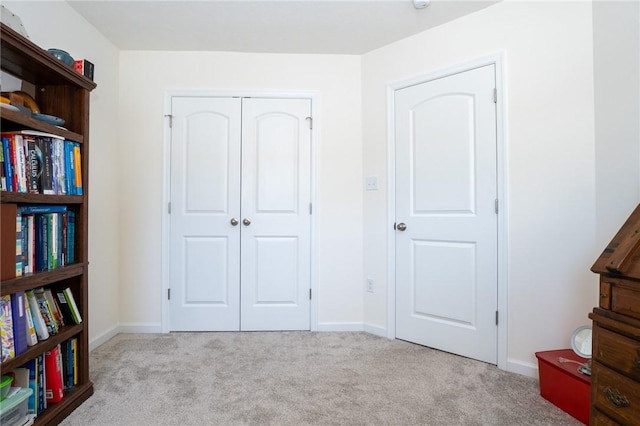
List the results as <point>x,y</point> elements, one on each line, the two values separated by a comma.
<point>39,163</point>
<point>43,236</point>
<point>32,316</point>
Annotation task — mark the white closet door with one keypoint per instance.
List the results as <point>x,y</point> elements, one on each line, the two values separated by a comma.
<point>276,221</point>
<point>205,197</point>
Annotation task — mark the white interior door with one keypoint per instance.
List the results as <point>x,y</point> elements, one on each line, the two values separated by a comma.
<point>240,224</point>
<point>276,217</point>
<point>205,197</point>
<point>446,188</point>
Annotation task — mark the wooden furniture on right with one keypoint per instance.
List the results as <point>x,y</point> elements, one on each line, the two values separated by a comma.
<point>615,379</point>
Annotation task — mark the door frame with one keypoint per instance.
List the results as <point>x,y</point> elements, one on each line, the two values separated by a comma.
<point>498,60</point>
<point>169,94</point>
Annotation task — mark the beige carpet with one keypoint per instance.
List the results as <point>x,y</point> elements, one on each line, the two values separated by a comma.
<point>301,378</point>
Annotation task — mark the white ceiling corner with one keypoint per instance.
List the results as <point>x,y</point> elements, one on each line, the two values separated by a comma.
<point>275,26</point>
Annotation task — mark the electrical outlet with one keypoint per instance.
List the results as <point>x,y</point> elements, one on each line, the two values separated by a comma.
<point>371,183</point>
<point>369,285</point>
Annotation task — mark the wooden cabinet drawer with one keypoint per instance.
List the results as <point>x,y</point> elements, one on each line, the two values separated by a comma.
<point>621,296</point>
<point>599,419</point>
<point>616,351</point>
<point>615,395</point>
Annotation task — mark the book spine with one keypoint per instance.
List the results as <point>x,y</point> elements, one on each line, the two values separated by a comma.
<point>34,165</point>
<point>47,170</point>
<point>32,366</point>
<point>65,309</point>
<point>7,350</point>
<point>38,321</point>
<point>42,402</point>
<point>53,373</point>
<point>78,166</point>
<point>42,208</point>
<point>3,176</point>
<point>18,244</point>
<point>19,322</point>
<point>32,339</point>
<point>8,166</point>
<point>75,312</point>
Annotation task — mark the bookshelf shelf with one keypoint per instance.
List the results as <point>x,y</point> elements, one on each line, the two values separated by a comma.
<point>62,92</point>
<point>41,279</point>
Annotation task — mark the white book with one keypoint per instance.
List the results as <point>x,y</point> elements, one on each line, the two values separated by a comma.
<point>38,321</point>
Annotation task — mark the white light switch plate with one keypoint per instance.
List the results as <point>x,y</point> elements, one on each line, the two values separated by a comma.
<point>371,183</point>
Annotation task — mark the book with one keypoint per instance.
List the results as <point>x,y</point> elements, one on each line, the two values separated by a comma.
<point>42,401</point>
<point>38,321</point>
<point>42,208</point>
<point>8,213</point>
<point>45,310</point>
<point>46,180</point>
<point>8,165</point>
<point>75,312</point>
<point>7,350</point>
<point>32,366</point>
<point>74,349</point>
<point>3,178</point>
<point>77,163</point>
<point>54,391</point>
<point>53,304</point>
<point>19,322</point>
<point>32,339</point>
<point>34,165</point>
<point>18,259</point>
<point>65,309</point>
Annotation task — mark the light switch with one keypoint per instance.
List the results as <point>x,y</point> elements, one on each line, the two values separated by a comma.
<point>371,183</point>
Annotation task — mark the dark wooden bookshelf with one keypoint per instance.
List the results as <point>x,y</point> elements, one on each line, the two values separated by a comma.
<point>62,92</point>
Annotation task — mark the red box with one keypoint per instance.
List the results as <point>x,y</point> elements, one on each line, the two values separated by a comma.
<point>562,384</point>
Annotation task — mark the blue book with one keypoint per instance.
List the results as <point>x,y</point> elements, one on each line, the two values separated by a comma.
<point>41,208</point>
<point>32,366</point>
<point>19,322</point>
<point>71,236</point>
<point>42,401</point>
<point>41,242</point>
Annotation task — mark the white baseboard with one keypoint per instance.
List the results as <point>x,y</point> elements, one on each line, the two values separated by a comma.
<point>340,326</point>
<point>375,330</point>
<point>103,338</point>
<point>153,327</point>
<point>123,328</point>
<point>524,368</point>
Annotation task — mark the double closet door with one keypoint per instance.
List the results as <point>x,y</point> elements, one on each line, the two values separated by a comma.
<point>240,222</point>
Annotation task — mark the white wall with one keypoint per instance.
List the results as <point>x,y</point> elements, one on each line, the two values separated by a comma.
<point>74,35</point>
<point>616,39</point>
<point>550,167</point>
<point>144,78</point>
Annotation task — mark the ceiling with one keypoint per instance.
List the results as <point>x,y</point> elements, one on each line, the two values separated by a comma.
<point>274,26</point>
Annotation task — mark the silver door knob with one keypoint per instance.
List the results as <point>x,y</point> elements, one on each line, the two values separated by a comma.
<point>234,221</point>
<point>246,221</point>
<point>401,226</point>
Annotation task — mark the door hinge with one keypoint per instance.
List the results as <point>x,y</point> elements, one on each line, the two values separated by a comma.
<point>168,294</point>
<point>169,207</point>
<point>310,208</point>
<point>497,206</point>
<point>495,95</point>
<point>309,294</point>
<point>170,120</point>
<point>310,121</point>
<point>496,317</point>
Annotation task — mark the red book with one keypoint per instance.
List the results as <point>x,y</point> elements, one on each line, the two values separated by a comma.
<point>54,390</point>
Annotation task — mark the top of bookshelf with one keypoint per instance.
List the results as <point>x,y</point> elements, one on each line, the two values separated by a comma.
<point>27,61</point>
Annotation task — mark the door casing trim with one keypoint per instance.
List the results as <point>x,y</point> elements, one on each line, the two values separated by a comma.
<point>169,94</point>
<point>497,59</point>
